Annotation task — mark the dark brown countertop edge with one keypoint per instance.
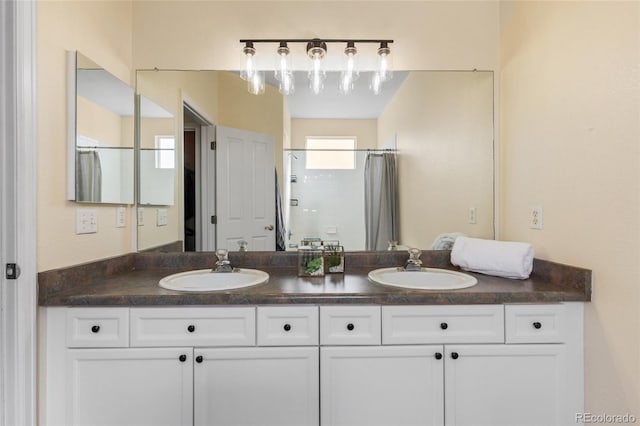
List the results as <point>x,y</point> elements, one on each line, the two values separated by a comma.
<point>55,286</point>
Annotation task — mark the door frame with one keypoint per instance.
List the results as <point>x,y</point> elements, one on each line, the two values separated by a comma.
<point>205,159</point>
<point>18,216</point>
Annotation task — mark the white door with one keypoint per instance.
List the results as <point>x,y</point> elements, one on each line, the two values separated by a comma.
<point>135,387</point>
<point>245,189</point>
<point>256,386</point>
<point>381,385</point>
<point>506,385</point>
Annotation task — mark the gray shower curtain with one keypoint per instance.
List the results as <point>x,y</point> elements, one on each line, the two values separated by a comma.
<point>380,200</point>
<point>88,176</point>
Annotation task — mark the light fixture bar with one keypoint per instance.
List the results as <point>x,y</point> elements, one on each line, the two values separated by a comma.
<point>308,40</point>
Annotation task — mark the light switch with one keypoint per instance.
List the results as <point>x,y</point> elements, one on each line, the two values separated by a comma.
<point>140,216</point>
<point>162,217</point>
<point>121,217</point>
<point>86,221</point>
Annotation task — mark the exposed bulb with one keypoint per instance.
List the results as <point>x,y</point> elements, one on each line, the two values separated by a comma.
<point>384,62</point>
<point>376,83</point>
<point>350,73</point>
<point>249,62</point>
<point>283,70</point>
<point>286,85</point>
<point>317,75</point>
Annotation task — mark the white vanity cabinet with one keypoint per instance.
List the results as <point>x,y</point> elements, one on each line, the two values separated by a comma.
<point>312,365</point>
<point>180,366</point>
<point>459,365</point>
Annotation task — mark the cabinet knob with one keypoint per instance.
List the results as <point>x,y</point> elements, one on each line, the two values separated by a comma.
<point>438,355</point>
<point>199,359</point>
<point>350,327</point>
<point>454,355</point>
<point>182,358</point>
<point>95,328</point>
<point>444,325</point>
<point>287,327</point>
<point>191,328</point>
<point>537,325</point>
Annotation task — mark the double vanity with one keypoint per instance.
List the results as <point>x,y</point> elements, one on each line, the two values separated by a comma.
<point>336,350</point>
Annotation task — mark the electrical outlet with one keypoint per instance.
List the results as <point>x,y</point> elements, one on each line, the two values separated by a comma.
<point>162,217</point>
<point>86,221</point>
<point>140,216</point>
<point>535,217</point>
<point>472,215</point>
<point>121,217</point>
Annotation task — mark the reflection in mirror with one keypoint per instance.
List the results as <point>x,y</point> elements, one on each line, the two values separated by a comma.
<point>157,154</point>
<point>100,134</point>
<point>438,125</point>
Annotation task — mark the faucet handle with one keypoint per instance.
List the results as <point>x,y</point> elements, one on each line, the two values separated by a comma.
<point>221,254</point>
<point>414,253</point>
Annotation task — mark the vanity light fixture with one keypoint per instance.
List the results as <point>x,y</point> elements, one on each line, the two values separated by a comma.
<point>316,49</point>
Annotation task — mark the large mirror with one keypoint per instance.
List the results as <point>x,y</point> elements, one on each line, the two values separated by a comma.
<point>431,130</point>
<point>100,133</point>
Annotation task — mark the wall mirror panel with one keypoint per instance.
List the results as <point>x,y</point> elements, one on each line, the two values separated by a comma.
<point>100,134</point>
<point>436,125</point>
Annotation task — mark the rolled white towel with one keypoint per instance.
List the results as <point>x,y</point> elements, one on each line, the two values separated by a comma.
<point>500,258</point>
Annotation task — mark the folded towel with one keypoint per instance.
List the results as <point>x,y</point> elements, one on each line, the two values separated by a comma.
<point>500,258</point>
<point>445,241</point>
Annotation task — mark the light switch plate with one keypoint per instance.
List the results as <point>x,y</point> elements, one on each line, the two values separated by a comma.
<point>140,216</point>
<point>162,217</point>
<point>473,219</point>
<point>86,221</point>
<point>121,217</point>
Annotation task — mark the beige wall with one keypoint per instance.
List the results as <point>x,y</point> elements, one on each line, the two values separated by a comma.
<point>570,113</point>
<point>204,34</point>
<point>98,123</point>
<point>103,32</point>
<point>443,125</point>
<point>366,131</point>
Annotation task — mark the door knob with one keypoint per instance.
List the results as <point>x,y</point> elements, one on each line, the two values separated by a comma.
<point>269,227</point>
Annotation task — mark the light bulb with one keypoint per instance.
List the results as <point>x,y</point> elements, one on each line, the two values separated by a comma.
<point>384,62</point>
<point>350,73</point>
<point>249,69</point>
<point>316,50</point>
<point>283,71</point>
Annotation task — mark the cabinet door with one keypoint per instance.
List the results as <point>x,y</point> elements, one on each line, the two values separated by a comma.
<point>256,386</point>
<point>385,386</point>
<point>130,387</point>
<point>506,385</point>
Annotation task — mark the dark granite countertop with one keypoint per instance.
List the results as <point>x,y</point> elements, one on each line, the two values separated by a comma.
<point>132,280</point>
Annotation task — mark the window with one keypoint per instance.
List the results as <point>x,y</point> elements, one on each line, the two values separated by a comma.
<point>331,153</point>
<point>165,152</point>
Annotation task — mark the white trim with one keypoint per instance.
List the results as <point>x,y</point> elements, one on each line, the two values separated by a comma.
<point>18,210</point>
<point>71,124</point>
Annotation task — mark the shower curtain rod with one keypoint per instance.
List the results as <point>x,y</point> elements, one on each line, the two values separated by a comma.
<point>348,150</point>
<point>103,147</point>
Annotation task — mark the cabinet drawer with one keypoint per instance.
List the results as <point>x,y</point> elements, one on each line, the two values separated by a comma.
<point>350,325</point>
<point>287,326</point>
<point>98,327</point>
<point>535,323</point>
<point>442,324</point>
<point>193,326</point>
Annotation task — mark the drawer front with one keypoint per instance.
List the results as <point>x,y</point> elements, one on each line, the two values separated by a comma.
<point>535,323</point>
<point>98,327</point>
<point>442,324</point>
<point>350,325</point>
<point>226,326</point>
<point>287,325</point>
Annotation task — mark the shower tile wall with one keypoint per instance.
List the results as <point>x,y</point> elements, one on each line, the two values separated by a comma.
<point>330,202</point>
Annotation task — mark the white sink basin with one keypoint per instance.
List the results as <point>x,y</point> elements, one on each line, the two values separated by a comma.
<point>425,279</point>
<point>205,280</point>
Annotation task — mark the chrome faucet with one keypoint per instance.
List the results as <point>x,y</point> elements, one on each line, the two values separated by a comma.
<point>413,263</point>
<point>223,264</point>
